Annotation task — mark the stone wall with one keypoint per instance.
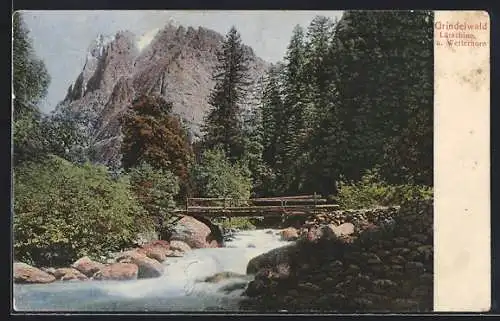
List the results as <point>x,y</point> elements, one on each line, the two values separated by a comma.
<point>377,216</point>
<point>383,267</point>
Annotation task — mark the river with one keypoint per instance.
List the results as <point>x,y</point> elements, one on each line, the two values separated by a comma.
<point>180,289</point>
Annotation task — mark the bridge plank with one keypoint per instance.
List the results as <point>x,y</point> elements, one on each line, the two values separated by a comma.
<point>249,208</point>
<point>285,197</point>
<point>319,200</point>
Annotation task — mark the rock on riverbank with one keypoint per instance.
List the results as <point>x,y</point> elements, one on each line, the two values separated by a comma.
<point>141,262</point>
<point>378,268</point>
<point>24,273</point>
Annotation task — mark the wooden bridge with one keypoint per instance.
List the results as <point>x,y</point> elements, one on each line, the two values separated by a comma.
<point>269,206</point>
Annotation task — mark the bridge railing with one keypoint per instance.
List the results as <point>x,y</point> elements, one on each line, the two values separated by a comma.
<point>299,204</point>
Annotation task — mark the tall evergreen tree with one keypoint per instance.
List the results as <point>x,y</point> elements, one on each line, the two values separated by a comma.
<point>297,112</point>
<point>318,67</point>
<point>253,136</point>
<point>273,116</point>
<point>408,155</point>
<point>383,96</point>
<point>274,129</point>
<point>329,137</point>
<point>223,125</point>
<point>319,72</point>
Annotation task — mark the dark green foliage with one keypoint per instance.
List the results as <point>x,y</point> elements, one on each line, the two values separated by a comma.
<point>65,134</point>
<point>30,78</point>
<point>372,190</point>
<point>155,190</point>
<point>30,81</point>
<point>318,67</point>
<point>152,134</point>
<point>352,95</point>
<point>241,223</point>
<point>64,211</point>
<point>384,94</point>
<point>253,148</point>
<point>273,116</point>
<point>215,176</point>
<point>274,131</point>
<point>297,115</point>
<point>223,125</point>
<point>27,139</point>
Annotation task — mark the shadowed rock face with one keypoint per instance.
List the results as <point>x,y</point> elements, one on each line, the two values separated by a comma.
<point>177,64</point>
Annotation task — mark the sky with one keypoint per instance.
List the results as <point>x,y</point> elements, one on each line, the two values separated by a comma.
<point>62,38</point>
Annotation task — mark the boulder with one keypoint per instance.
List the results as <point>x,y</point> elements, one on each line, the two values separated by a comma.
<point>289,234</point>
<point>369,227</point>
<point>196,233</point>
<point>276,259</point>
<point>179,246</point>
<point>49,270</point>
<point>174,253</point>
<point>157,243</point>
<point>316,233</point>
<point>67,274</point>
<point>156,250</point>
<point>148,267</point>
<point>233,287</point>
<point>124,256</point>
<point>24,273</point>
<point>86,266</point>
<point>117,272</point>
<point>222,276</point>
<point>157,253</point>
<point>342,230</point>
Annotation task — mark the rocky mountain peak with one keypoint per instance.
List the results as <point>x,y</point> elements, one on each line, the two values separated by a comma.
<point>175,62</point>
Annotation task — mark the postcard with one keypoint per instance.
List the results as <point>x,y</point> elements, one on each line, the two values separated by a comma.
<point>254,162</point>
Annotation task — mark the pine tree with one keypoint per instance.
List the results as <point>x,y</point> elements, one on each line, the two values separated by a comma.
<point>253,137</point>
<point>383,96</point>
<point>329,137</point>
<point>274,130</point>
<point>408,155</point>
<point>297,112</point>
<point>224,124</point>
<point>320,96</point>
<point>273,116</point>
<point>318,67</point>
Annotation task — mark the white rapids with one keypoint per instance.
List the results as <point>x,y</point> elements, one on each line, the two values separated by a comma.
<point>180,289</point>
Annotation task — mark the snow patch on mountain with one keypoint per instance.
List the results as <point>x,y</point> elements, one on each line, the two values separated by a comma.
<point>146,38</point>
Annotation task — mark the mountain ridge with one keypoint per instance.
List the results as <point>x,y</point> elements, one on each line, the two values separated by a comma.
<point>175,62</point>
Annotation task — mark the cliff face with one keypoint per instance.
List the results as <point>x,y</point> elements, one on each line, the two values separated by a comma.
<point>175,62</point>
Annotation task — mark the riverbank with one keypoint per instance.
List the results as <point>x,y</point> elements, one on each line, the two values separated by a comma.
<point>204,279</point>
<point>382,266</point>
<point>370,260</point>
<point>141,262</point>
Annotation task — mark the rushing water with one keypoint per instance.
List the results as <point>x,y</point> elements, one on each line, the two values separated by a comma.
<point>181,288</point>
